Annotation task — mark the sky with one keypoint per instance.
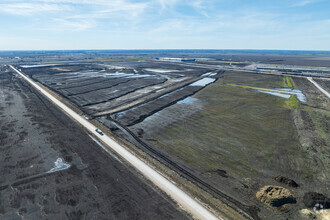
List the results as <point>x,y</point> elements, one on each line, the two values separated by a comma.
<point>164,24</point>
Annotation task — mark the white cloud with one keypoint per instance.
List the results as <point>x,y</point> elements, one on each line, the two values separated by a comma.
<point>123,7</point>
<point>167,23</point>
<point>305,2</point>
<point>77,15</point>
<point>31,8</point>
<point>226,22</point>
<point>70,25</point>
<point>201,7</point>
<point>94,6</point>
<point>166,4</point>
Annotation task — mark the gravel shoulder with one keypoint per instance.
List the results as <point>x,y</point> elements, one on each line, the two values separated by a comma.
<point>34,135</point>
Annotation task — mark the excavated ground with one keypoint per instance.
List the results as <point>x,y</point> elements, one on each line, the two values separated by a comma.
<point>230,141</point>
<point>34,134</point>
<point>105,90</point>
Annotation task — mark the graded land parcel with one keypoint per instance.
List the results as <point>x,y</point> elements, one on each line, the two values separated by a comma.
<point>218,130</point>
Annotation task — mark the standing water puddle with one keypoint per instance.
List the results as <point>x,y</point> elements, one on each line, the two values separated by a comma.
<point>187,100</point>
<point>276,94</point>
<point>209,74</point>
<point>285,93</point>
<point>203,82</point>
<point>160,70</point>
<point>296,92</point>
<point>59,165</point>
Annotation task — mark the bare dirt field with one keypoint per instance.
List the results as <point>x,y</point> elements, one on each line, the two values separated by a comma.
<point>34,135</point>
<point>223,131</point>
<point>325,84</point>
<point>104,90</point>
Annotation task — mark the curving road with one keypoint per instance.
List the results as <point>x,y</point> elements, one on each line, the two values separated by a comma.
<point>188,203</point>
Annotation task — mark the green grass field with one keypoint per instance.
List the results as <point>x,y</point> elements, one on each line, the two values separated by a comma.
<point>240,130</point>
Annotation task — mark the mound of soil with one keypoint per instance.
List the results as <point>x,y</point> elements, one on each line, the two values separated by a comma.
<point>285,180</point>
<point>275,196</point>
<point>318,200</point>
<point>307,214</point>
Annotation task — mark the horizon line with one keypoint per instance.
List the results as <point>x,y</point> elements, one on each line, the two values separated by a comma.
<point>164,49</point>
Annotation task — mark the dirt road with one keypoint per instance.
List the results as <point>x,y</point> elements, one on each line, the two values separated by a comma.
<point>319,87</point>
<point>33,135</point>
<point>188,203</point>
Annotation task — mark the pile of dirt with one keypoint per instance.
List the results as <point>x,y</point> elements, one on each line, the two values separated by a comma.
<point>275,196</point>
<point>307,214</point>
<point>287,181</point>
<point>324,214</point>
<point>316,200</point>
<point>310,214</point>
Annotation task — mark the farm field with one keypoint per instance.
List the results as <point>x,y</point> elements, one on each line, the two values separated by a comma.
<point>220,134</point>
<point>239,138</point>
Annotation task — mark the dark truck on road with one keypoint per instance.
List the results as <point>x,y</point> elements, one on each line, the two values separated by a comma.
<point>99,131</point>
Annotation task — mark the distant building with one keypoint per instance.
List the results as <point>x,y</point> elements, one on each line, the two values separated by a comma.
<point>176,59</point>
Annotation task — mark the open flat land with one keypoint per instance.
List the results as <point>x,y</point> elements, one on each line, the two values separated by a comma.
<point>238,139</point>
<point>34,134</point>
<point>220,131</point>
